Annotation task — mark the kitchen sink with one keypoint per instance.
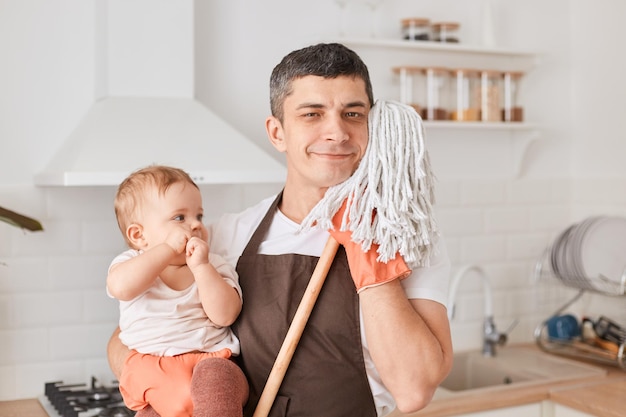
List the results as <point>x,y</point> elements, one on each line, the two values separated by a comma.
<point>512,366</point>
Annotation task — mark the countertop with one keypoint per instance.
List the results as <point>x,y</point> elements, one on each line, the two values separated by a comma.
<point>601,396</point>
<point>605,399</point>
<point>22,408</point>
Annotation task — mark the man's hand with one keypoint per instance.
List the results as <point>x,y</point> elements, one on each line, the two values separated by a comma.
<point>366,271</point>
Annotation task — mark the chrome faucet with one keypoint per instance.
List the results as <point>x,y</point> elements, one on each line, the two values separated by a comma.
<point>491,336</point>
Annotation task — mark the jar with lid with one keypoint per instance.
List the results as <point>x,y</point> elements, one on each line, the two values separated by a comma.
<point>416,29</point>
<point>466,90</point>
<point>446,32</point>
<point>412,86</point>
<point>437,93</point>
<point>490,96</point>
<point>511,110</point>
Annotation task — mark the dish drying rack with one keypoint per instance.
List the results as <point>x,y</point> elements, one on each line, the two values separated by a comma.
<point>579,348</point>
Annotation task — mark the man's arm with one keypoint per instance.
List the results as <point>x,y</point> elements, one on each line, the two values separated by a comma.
<point>409,341</point>
<point>117,353</point>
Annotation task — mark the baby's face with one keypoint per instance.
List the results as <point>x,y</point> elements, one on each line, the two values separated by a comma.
<point>178,211</point>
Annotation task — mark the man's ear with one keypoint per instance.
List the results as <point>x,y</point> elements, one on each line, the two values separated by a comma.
<point>275,133</point>
<point>134,234</point>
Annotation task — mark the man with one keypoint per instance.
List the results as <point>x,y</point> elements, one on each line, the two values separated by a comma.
<point>361,354</point>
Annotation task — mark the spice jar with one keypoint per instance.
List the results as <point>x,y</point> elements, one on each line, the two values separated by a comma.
<point>412,86</point>
<point>416,29</point>
<point>437,92</point>
<point>490,96</point>
<point>511,110</point>
<point>466,90</point>
<point>446,32</point>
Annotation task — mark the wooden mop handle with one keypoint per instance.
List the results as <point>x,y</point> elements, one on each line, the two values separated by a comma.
<point>296,328</point>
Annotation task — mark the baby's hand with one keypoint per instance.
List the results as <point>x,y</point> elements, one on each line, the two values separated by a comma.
<point>177,239</point>
<point>197,252</point>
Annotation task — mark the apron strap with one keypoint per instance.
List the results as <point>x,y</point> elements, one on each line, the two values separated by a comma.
<point>252,248</point>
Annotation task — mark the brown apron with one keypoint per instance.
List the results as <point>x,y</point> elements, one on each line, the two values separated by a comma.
<point>326,376</point>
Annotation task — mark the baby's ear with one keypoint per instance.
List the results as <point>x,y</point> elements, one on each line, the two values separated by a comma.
<point>134,234</point>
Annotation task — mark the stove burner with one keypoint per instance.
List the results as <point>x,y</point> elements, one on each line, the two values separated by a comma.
<point>86,401</point>
<point>99,396</point>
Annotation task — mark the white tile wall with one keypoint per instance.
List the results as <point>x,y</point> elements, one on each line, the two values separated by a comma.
<point>55,318</point>
<point>505,226</point>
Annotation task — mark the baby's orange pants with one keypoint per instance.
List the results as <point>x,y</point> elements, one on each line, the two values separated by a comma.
<point>164,382</point>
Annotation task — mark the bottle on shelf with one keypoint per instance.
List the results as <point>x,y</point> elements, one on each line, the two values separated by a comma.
<point>511,110</point>
<point>490,96</point>
<point>446,32</point>
<point>437,93</point>
<point>466,89</point>
<point>460,94</point>
<point>415,29</point>
<point>412,86</point>
<point>426,89</point>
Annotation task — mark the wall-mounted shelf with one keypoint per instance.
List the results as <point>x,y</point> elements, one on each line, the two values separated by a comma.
<point>456,145</point>
<point>479,125</point>
<point>450,54</point>
<point>434,46</point>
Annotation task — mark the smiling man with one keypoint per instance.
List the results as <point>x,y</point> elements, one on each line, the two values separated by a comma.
<point>323,132</point>
<point>362,353</point>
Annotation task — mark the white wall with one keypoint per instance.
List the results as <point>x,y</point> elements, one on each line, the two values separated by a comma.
<point>46,80</point>
<point>598,89</point>
<point>55,318</point>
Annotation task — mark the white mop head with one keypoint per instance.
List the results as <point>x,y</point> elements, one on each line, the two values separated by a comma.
<point>395,181</point>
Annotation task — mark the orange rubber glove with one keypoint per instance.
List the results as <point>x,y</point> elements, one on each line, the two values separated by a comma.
<point>366,271</point>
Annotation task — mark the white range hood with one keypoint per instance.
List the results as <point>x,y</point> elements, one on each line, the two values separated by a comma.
<point>147,113</point>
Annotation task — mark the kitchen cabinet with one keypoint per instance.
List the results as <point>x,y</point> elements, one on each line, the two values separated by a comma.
<point>558,410</point>
<point>527,410</point>
<point>563,411</point>
<point>543,409</point>
<point>507,141</point>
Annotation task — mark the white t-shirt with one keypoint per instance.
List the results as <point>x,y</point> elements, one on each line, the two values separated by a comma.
<point>230,235</point>
<point>166,322</point>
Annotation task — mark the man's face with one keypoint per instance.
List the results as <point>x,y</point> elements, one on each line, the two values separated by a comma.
<point>324,130</point>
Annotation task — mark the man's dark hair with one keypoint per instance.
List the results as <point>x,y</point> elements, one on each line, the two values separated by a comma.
<point>328,60</point>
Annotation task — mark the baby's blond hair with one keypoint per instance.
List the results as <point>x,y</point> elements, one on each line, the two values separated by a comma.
<point>132,191</point>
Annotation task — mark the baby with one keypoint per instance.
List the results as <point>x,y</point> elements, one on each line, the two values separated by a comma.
<point>177,300</point>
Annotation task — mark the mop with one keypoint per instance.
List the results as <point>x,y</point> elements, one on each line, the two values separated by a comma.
<point>393,180</point>
<point>389,200</point>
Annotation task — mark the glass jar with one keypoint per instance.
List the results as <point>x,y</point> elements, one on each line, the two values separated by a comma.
<point>466,90</point>
<point>511,110</point>
<point>446,32</point>
<point>490,96</point>
<point>437,93</point>
<point>416,29</point>
<point>412,86</point>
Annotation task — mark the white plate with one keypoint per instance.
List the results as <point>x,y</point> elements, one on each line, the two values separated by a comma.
<point>559,256</point>
<point>603,254</point>
<point>575,264</point>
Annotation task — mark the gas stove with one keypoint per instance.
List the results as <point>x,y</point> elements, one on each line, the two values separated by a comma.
<point>83,400</point>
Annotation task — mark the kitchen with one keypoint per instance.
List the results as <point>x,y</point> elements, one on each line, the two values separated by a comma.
<point>56,318</point>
